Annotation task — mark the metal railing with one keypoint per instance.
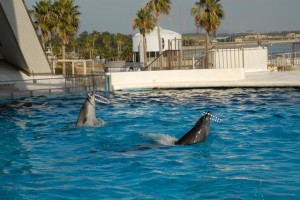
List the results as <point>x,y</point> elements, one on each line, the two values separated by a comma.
<point>286,59</point>
<point>68,84</point>
<point>284,56</point>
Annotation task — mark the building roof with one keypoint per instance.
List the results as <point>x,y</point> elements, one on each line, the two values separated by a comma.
<point>163,32</point>
<point>152,38</point>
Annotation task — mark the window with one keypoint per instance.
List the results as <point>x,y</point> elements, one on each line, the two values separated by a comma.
<point>152,54</point>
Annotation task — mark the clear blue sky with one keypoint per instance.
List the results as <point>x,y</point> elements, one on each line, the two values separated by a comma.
<point>240,15</point>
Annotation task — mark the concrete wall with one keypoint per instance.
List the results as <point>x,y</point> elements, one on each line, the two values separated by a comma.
<point>18,81</point>
<point>173,79</point>
<point>256,59</point>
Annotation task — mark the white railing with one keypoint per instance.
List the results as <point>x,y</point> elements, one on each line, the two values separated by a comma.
<point>83,63</point>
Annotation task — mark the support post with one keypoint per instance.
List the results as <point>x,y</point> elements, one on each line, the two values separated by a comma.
<point>84,67</point>
<point>73,68</point>
<point>193,62</point>
<point>64,68</point>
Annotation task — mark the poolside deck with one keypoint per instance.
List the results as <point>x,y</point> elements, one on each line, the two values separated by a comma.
<point>264,79</point>
<point>271,79</point>
<point>257,80</point>
<point>285,79</point>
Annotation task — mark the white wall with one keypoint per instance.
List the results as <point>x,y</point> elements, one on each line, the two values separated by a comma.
<point>252,59</point>
<point>22,82</point>
<point>256,59</point>
<point>173,79</point>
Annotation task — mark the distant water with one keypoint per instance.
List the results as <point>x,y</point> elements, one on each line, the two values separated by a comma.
<point>253,154</point>
<point>275,49</point>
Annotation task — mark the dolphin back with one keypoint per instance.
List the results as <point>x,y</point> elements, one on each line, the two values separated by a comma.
<point>198,133</point>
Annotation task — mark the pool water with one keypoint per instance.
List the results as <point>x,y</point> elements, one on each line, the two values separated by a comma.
<point>253,154</point>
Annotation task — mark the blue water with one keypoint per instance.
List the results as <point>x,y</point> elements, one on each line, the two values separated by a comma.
<point>253,154</point>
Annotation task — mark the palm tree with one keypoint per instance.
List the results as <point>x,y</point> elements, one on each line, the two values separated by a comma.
<point>208,15</point>
<point>88,44</point>
<point>127,53</point>
<point>74,43</point>
<point>159,7</point>
<point>67,21</point>
<point>119,41</point>
<point>43,19</point>
<point>145,23</point>
<point>106,41</point>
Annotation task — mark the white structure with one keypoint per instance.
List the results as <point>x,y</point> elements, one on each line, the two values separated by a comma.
<point>19,44</point>
<point>175,78</point>
<point>23,63</point>
<point>252,59</point>
<point>152,44</point>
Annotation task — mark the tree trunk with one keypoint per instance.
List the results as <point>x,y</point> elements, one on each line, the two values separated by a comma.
<point>206,50</point>
<point>50,45</point>
<point>43,44</point>
<point>144,51</point>
<point>159,44</point>
<point>63,48</point>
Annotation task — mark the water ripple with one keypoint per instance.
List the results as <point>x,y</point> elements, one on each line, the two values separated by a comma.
<point>253,154</point>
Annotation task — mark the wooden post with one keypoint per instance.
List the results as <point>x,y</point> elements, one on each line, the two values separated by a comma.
<point>53,66</point>
<point>93,65</point>
<point>169,54</point>
<point>73,68</point>
<point>193,62</point>
<point>64,68</point>
<point>84,67</point>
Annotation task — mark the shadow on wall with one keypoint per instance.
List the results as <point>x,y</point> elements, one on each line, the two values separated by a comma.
<point>8,77</point>
<point>9,48</point>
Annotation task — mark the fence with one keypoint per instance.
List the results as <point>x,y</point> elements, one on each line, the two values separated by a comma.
<point>196,58</point>
<point>284,56</point>
<point>72,66</point>
<point>281,54</point>
<point>69,84</point>
<point>193,59</point>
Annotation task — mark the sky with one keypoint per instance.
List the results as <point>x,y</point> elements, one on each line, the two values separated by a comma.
<point>259,16</point>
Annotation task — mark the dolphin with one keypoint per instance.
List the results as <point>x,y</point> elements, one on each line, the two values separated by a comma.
<point>87,115</point>
<point>198,133</point>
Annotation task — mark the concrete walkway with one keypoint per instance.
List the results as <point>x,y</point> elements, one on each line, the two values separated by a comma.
<point>283,79</point>
<point>268,79</point>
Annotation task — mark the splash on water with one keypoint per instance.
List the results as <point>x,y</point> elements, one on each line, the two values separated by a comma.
<point>160,138</point>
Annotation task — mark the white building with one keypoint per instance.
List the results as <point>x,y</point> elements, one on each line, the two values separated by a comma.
<point>170,40</point>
